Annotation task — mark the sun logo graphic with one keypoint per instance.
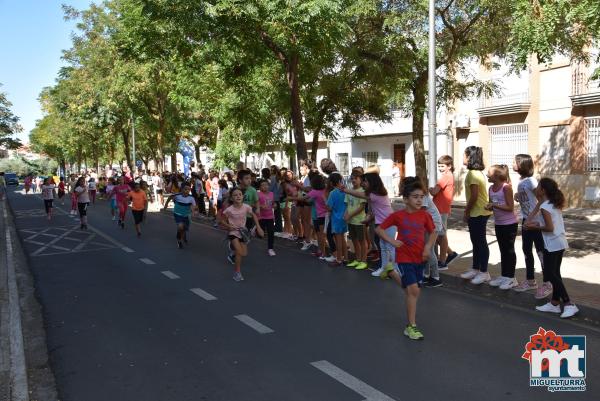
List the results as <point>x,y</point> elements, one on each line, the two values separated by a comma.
<point>556,361</point>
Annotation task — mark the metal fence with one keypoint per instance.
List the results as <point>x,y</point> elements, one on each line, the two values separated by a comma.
<point>370,158</point>
<point>592,144</point>
<point>507,141</point>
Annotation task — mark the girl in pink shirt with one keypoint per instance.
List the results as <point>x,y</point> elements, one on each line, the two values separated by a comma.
<point>266,215</point>
<point>234,219</point>
<point>505,224</point>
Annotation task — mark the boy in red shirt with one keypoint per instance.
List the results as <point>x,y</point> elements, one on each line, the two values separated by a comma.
<point>411,250</point>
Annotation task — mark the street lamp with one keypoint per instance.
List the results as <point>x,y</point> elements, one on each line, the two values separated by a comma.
<point>431,94</point>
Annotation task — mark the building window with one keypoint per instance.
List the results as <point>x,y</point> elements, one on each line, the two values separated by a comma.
<point>592,144</point>
<point>370,158</point>
<point>507,141</point>
<point>342,163</point>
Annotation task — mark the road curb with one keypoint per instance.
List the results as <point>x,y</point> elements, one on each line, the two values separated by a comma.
<point>19,386</point>
<point>587,314</point>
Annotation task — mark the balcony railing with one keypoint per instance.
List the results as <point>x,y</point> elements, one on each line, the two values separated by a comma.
<point>504,100</point>
<point>581,83</point>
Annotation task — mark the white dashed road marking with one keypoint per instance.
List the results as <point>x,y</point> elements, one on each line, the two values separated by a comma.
<point>129,250</point>
<point>170,274</point>
<point>351,382</point>
<point>203,294</point>
<point>147,261</point>
<point>247,320</point>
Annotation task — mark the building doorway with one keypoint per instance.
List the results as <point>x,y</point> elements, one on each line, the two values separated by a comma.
<point>400,157</point>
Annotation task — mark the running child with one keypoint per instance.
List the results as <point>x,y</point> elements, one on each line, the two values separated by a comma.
<point>92,187</point>
<point>234,219</point>
<point>551,201</point>
<point>502,204</point>
<point>61,190</point>
<point>337,207</point>
<point>120,191</point>
<point>83,201</point>
<point>266,217</point>
<point>185,205</point>
<point>48,195</point>
<point>411,223</point>
<point>139,203</point>
<point>111,197</point>
<point>355,216</point>
<point>526,198</point>
<point>250,194</point>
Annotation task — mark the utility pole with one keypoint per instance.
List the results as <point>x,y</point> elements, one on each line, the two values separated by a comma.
<point>432,167</point>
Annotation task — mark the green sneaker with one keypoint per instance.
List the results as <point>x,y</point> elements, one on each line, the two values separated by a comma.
<point>361,266</point>
<point>413,332</point>
<point>386,271</point>
<point>352,264</point>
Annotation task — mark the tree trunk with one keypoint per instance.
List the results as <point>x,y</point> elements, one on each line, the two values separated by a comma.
<point>125,136</point>
<point>197,154</point>
<point>418,117</point>
<point>317,132</point>
<point>174,162</point>
<point>297,121</point>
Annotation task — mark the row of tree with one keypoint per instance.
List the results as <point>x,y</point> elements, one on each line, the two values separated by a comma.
<point>241,75</point>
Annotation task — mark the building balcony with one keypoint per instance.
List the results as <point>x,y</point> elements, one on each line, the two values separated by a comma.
<point>503,105</point>
<point>585,91</point>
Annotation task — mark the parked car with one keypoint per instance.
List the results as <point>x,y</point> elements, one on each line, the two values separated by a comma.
<point>11,179</point>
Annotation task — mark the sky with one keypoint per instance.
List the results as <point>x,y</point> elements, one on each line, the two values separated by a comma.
<point>33,34</point>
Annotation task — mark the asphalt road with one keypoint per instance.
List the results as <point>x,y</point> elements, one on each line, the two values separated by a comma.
<point>121,329</point>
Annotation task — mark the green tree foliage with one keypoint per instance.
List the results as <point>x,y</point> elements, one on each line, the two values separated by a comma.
<point>9,124</point>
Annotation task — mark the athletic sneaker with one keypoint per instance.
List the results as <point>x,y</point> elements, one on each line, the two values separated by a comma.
<point>509,283</point>
<point>336,263</point>
<point>305,246</point>
<point>353,263</point>
<point>114,218</point>
<point>549,307</point>
<point>377,272</point>
<point>451,257</point>
<point>431,282</point>
<point>442,266</point>
<point>481,278</point>
<point>323,258</point>
<point>498,281</point>
<point>317,254</point>
<point>526,286</point>
<point>330,259</point>
<point>543,291</point>
<point>231,259</point>
<point>413,332</point>
<point>386,271</point>
<point>361,266</point>
<point>569,310</point>
<point>237,276</point>
<point>271,252</point>
<point>469,274</point>
<point>179,244</point>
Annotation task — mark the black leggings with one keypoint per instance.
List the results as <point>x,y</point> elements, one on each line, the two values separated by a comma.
<point>268,226</point>
<point>481,251</point>
<point>530,237</point>
<point>506,234</point>
<point>552,261</point>
<point>278,217</point>
<point>330,239</point>
<point>82,207</point>
<point>48,205</point>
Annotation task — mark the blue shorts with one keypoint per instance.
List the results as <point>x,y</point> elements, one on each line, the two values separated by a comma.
<point>185,220</point>
<point>339,226</point>
<point>412,273</point>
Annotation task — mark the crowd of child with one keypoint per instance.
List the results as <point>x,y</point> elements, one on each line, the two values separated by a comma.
<point>321,208</point>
